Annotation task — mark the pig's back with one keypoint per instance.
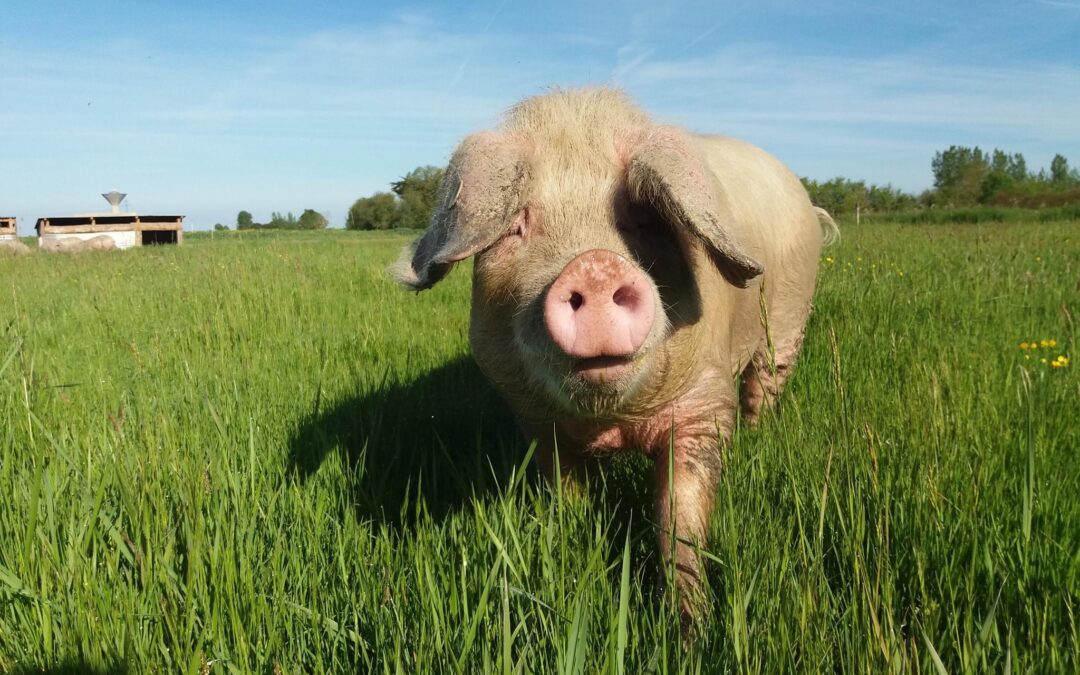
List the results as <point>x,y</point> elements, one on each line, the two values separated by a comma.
<point>772,211</point>
<point>776,223</point>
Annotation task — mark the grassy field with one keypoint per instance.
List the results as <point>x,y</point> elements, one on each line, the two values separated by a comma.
<point>254,454</point>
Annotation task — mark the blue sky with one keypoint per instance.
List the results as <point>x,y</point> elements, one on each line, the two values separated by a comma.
<point>207,108</point>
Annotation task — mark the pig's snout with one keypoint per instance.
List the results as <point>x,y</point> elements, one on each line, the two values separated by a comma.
<point>600,305</point>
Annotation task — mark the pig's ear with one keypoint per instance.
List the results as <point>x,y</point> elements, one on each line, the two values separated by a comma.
<point>667,172</point>
<point>478,196</point>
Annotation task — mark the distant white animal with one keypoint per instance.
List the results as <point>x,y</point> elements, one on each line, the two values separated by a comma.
<point>14,247</point>
<point>102,242</point>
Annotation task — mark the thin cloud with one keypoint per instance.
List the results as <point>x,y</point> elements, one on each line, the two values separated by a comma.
<point>762,82</point>
<point>1058,3</point>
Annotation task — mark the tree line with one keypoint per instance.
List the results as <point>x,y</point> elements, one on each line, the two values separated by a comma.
<point>963,177</point>
<point>310,219</point>
<point>408,204</point>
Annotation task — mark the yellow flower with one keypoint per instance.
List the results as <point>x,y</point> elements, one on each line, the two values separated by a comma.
<point>1043,359</point>
<point>1044,343</point>
<point>1023,345</point>
<point>1052,343</point>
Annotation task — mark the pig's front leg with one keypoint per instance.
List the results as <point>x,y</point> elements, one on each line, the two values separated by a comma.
<point>572,468</point>
<point>686,473</point>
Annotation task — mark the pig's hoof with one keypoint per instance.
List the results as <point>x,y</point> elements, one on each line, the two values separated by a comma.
<point>691,600</point>
<point>687,623</point>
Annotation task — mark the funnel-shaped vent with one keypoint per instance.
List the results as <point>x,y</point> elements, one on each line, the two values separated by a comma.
<point>114,198</point>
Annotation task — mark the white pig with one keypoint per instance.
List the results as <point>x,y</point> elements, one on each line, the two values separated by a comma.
<point>624,276</point>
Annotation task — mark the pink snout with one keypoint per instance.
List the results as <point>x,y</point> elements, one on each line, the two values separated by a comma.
<point>600,305</point>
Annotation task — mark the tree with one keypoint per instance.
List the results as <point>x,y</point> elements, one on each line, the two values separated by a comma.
<point>1059,169</point>
<point>959,173</point>
<point>377,212</point>
<point>1017,168</point>
<point>417,191</point>
<point>885,198</point>
<point>280,222</point>
<point>993,184</point>
<point>312,220</point>
<point>243,221</point>
<point>220,228</point>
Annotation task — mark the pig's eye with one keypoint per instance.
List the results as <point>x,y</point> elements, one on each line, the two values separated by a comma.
<point>520,226</point>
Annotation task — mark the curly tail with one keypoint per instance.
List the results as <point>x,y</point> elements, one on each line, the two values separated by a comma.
<point>830,231</point>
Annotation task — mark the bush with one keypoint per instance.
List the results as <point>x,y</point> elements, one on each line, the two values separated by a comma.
<point>377,212</point>
<point>409,206</point>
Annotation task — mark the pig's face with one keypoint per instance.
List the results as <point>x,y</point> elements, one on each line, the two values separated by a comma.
<point>588,288</point>
<point>582,257</point>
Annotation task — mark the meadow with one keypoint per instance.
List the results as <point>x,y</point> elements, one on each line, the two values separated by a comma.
<point>254,453</point>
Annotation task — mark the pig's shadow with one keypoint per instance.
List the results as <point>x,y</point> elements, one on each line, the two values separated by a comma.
<point>435,441</point>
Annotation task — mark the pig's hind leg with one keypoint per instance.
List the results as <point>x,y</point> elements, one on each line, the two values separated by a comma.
<point>764,377</point>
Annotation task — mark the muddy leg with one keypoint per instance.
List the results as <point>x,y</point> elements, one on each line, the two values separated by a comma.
<point>684,501</point>
<point>573,468</point>
<point>761,386</point>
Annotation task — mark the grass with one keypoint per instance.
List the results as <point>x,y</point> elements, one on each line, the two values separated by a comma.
<point>974,215</point>
<point>253,453</point>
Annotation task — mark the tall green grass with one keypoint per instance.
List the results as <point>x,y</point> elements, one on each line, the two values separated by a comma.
<point>974,215</point>
<point>253,453</point>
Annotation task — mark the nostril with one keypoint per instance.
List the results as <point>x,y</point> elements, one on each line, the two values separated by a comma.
<point>627,297</point>
<point>576,300</point>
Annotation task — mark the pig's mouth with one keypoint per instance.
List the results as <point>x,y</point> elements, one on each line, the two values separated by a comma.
<point>603,369</point>
<point>591,386</point>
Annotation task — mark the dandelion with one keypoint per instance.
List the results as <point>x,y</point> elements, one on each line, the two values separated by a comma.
<point>1061,361</point>
<point>1023,345</point>
<point>1044,343</point>
<point>1051,343</point>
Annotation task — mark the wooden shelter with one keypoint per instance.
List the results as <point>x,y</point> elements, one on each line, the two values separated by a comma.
<point>126,229</point>
<point>7,229</point>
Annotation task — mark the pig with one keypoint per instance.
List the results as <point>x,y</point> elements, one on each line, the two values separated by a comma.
<point>635,287</point>
<point>102,242</point>
<point>13,246</point>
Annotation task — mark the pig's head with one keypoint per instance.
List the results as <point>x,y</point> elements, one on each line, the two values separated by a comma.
<point>585,238</point>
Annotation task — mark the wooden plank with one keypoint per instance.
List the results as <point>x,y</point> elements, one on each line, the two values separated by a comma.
<point>127,227</point>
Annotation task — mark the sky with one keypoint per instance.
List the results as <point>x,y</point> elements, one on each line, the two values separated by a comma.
<point>207,108</point>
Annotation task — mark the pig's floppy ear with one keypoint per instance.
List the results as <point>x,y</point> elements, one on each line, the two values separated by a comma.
<point>478,196</point>
<point>667,172</point>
